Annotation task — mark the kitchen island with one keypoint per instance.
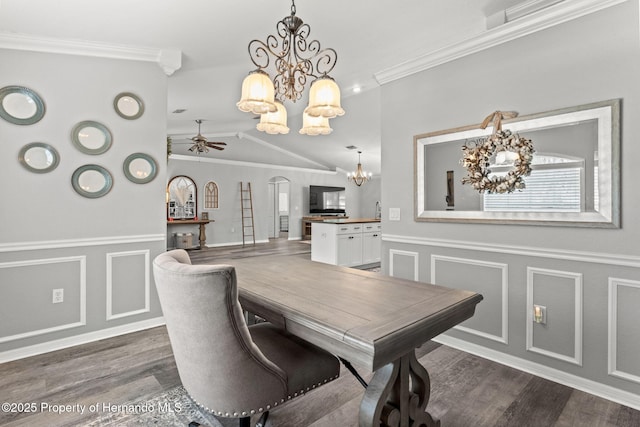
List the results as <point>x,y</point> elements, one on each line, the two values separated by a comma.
<point>349,242</point>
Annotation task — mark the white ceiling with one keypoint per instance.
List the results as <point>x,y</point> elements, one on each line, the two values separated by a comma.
<point>369,37</point>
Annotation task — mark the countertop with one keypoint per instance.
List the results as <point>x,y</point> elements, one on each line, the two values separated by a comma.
<point>348,220</point>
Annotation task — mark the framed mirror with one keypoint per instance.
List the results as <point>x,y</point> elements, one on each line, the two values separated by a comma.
<point>91,137</point>
<point>574,180</point>
<point>39,157</point>
<point>91,181</point>
<point>140,168</point>
<point>182,196</point>
<point>128,106</point>
<point>20,105</point>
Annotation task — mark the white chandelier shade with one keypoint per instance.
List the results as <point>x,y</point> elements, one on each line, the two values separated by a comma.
<point>257,94</point>
<point>315,125</point>
<point>274,123</point>
<point>324,99</point>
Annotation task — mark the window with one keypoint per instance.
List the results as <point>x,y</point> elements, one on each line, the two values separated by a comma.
<point>556,184</point>
<point>211,195</point>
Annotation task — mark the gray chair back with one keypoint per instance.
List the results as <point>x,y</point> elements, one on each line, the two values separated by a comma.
<point>218,363</point>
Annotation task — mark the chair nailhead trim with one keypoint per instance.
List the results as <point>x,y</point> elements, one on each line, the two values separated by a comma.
<point>253,411</point>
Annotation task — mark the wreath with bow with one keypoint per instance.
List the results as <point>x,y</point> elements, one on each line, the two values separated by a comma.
<point>478,154</point>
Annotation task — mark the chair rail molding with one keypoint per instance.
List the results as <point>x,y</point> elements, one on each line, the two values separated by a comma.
<point>72,243</point>
<point>548,17</point>
<point>169,60</point>
<point>529,251</point>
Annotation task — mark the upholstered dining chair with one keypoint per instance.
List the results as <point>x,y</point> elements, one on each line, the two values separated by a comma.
<point>229,369</point>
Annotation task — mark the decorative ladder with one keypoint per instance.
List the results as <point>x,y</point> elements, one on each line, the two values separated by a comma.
<point>246,203</point>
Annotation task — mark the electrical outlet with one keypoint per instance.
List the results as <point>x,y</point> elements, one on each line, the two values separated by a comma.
<point>58,296</point>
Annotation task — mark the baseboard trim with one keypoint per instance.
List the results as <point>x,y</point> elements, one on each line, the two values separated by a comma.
<point>588,386</point>
<point>36,349</point>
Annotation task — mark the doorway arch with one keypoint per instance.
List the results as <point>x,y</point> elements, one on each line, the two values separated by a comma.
<point>279,207</point>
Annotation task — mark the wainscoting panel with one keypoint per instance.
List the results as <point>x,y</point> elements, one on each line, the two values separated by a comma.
<point>26,306</point>
<point>403,261</point>
<point>128,283</point>
<point>561,293</point>
<point>624,335</point>
<point>489,279</point>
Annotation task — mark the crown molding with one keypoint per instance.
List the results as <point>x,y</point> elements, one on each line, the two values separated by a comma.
<point>167,59</point>
<point>546,18</point>
<point>242,163</point>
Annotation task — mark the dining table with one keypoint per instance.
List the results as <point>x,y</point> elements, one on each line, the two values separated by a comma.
<point>367,319</point>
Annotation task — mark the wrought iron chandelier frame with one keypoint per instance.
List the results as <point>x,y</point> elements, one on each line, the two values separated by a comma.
<point>296,59</point>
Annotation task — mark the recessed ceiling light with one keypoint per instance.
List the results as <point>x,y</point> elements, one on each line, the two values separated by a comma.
<point>179,110</point>
<point>357,89</point>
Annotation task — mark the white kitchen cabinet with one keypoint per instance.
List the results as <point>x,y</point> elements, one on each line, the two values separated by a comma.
<point>371,243</point>
<point>348,244</point>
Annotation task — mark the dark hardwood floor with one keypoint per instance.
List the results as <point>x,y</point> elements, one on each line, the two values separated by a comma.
<point>466,390</point>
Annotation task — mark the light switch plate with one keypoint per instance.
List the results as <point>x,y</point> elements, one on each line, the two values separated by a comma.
<point>394,214</point>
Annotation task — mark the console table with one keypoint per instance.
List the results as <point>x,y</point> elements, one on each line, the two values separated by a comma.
<point>201,222</point>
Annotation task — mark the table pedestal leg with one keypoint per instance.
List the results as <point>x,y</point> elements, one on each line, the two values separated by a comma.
<point>202,237</point>
<point>397,396</point>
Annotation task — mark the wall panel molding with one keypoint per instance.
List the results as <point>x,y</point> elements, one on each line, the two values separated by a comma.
<point>147,280</point>
<point>82,284</point>
<point>578,318</point>
<point>74,243</point>
<point>528,251</point>
<point>504,292</point>
<point>414,255</point>
<point>612,341</point>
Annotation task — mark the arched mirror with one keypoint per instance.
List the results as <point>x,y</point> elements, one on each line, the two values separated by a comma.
<point>182,196</point>
<point>128,106</point>
<point>91,181</point>
<point>39,157</point>
<point>91,137</point>
<point>20,105</point>
<point>140,168</point>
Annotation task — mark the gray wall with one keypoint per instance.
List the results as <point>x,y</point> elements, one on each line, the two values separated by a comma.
<point>226,229</point>
<point>97,250</point>
<point>589,279</point>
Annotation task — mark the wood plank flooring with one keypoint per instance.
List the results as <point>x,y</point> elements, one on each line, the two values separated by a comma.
<point>466,390</point>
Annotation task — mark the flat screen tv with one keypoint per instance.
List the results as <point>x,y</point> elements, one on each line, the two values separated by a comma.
<point>326,200</point>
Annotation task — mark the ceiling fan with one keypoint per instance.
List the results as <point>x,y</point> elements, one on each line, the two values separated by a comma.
<point>201,145</point>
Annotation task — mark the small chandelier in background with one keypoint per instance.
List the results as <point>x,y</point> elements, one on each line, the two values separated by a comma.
<point>359,177</point>
<point>296,61</point>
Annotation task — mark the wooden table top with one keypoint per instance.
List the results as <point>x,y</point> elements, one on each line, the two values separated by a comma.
<point>365,317</point>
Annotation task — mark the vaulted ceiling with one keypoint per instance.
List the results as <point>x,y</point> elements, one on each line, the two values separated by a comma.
<point>212,36</point>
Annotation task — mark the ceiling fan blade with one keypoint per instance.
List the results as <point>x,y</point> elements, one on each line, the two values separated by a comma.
<point>209,143</point>
<point>215,147</point>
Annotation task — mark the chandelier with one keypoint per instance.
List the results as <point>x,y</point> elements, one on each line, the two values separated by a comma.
<point>359,177</point>
<point>296,61</point>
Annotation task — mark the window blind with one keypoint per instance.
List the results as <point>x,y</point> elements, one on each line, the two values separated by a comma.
<point>547,190</point>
